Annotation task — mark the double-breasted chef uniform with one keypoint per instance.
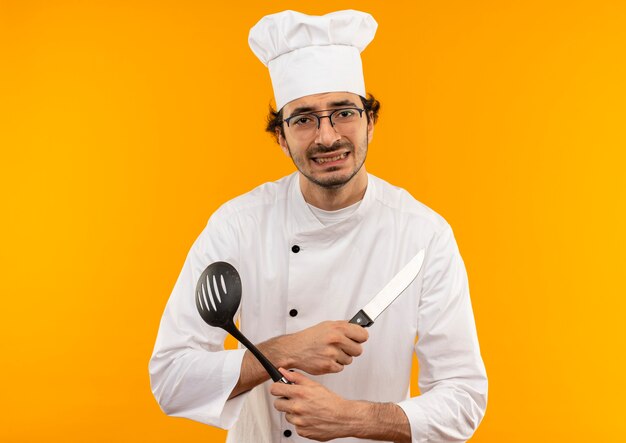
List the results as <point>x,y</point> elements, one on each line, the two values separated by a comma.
<point>297,272</point>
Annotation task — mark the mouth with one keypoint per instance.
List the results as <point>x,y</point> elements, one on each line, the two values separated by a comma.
<point>329,159</point>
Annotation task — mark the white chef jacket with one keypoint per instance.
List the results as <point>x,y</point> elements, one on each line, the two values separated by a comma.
<point>334,271</point>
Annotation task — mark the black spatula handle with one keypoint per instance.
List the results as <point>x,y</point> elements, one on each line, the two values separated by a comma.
<point>269,367</point>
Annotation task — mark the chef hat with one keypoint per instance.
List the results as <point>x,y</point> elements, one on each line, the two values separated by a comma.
<point>309,54</point>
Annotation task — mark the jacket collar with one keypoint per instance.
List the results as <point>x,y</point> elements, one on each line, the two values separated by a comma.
<point>303,222</point>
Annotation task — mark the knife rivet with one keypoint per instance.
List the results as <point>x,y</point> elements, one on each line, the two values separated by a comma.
<point>287,433</point>
<point>293,312</point>
<point>295,249</point>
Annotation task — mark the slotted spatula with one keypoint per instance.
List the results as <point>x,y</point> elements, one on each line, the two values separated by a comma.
<point>218,294</point>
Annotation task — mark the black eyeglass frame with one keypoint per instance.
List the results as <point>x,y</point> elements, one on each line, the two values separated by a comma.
<point>320,117</point>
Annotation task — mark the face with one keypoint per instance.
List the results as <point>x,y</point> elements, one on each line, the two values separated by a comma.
<point>330,156</point>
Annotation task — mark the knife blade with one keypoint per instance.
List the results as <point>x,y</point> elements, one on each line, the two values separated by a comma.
<point>396,286</point>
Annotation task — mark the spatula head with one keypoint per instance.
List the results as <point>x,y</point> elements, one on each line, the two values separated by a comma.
<point>218,294</point>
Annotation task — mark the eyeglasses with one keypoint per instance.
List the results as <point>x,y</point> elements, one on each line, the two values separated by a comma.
<point>305,125</point>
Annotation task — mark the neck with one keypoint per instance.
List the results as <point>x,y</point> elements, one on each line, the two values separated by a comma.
<point>333,199</point>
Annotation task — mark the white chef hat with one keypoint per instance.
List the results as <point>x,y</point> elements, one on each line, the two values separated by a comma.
<point>309,54</point>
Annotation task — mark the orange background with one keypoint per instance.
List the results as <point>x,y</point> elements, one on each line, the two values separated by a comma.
<point>124,124</point>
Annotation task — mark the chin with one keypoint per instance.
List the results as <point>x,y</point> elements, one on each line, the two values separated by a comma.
<point>334,181</point>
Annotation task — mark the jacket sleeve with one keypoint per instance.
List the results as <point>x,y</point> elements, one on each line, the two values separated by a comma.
<point>452,377</point>
<point>191,375</point>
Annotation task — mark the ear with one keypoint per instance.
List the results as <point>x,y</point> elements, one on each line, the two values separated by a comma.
<point>282,142</point>
<point>370,126</point>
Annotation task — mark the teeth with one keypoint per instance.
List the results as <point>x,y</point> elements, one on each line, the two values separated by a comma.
<point>331,159</point>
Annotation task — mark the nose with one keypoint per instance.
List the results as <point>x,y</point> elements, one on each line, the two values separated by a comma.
<point>326,134</point>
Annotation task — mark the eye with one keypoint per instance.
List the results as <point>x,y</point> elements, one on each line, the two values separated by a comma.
<point>344,113</point>
<point>302,120</point>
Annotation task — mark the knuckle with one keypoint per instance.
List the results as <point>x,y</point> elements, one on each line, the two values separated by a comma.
<point>332,338</point>
<point>330,353</point>
<point>337,326</point>
<point>300,392</point>
<point>334,367</point>
<point>328,366</point>
<point>296,409</point>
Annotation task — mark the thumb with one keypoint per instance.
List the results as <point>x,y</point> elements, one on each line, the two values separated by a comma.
<point>295,377</point>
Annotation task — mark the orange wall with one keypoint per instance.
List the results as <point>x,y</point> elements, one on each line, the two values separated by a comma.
<point>124,124</point>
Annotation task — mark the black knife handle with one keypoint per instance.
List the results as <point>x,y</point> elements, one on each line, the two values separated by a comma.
<point>362,319</point>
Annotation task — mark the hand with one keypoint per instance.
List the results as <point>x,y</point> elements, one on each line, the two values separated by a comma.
<point>315,411</point>
<point>324,348</point>
<point>320,414</point>
<point>321,349</point>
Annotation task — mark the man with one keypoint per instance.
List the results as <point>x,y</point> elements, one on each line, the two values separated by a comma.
<point>312,249</point>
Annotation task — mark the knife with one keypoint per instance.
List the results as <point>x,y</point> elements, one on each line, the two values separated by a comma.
<point>366,316</point>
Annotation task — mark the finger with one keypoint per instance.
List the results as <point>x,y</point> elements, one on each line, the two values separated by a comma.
<point>297,420</point>
<point>280,389</point>
<point>282,404</point>
<point>357,333</point>
<point>350,347</point>
<point>344,359</point>
<point>295,377</point>
<point>292,418</point>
